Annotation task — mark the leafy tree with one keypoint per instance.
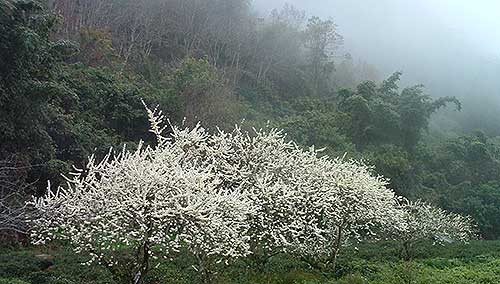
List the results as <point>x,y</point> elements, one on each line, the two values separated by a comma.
<point>96,48</point>
<point>463,176</point>
<point>205,96</point>
<point>29,91</point>
<point>321,39</point>
<point>53,113</point>
<point>317,122</point>
<point>415,109</point>
<point>106,111</point>
<point>480,201</point>
<point>394,162</point>
<point>382,114</point>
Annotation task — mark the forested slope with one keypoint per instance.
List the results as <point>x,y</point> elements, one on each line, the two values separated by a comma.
<point>73,73</point>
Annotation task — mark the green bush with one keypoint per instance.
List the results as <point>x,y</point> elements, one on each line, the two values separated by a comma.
<point>18,264</point>
<point>352,279</point>
<point>12,281</point>
<point>377,263</point>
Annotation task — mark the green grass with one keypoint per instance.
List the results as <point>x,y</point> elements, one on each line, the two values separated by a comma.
<point>477,262</point>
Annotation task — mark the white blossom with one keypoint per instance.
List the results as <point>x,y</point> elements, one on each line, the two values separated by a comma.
<point>426,222</point>
<point>228,194</point>
<point>164,197</point>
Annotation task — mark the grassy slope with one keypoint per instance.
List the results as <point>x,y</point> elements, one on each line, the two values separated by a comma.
<point>477,262</point>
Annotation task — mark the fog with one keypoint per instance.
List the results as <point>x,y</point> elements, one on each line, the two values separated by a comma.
<point>450,46</point>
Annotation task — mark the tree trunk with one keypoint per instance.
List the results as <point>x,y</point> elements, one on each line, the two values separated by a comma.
<point>337,247</point>
<point>207,277</point>
<point>144,265</point>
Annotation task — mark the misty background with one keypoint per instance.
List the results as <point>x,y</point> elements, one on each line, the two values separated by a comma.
<point>374,84</point>
<point>450,46</point>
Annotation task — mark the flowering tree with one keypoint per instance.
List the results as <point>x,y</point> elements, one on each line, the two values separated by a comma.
<point>306,204</point>
<point>355,206</point>
<point>152,200</point>
<point>283,180</point>
<point>423,221</point>
<point>228,194</point>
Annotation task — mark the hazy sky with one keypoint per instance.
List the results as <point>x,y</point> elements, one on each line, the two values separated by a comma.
<point>448,45</point>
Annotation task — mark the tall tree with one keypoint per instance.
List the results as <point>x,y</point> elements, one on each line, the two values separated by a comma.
<point>321,38</point>
<point>29,61</point>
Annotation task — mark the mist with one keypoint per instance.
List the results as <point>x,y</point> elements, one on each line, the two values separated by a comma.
<point>451,47</point>
<point>249,141</point>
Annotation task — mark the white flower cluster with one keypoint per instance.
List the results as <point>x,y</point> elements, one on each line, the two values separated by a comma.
<point>425,222</point>
<point>224,195</point>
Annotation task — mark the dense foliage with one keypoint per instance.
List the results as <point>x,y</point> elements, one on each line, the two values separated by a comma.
<point>73,74</point>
